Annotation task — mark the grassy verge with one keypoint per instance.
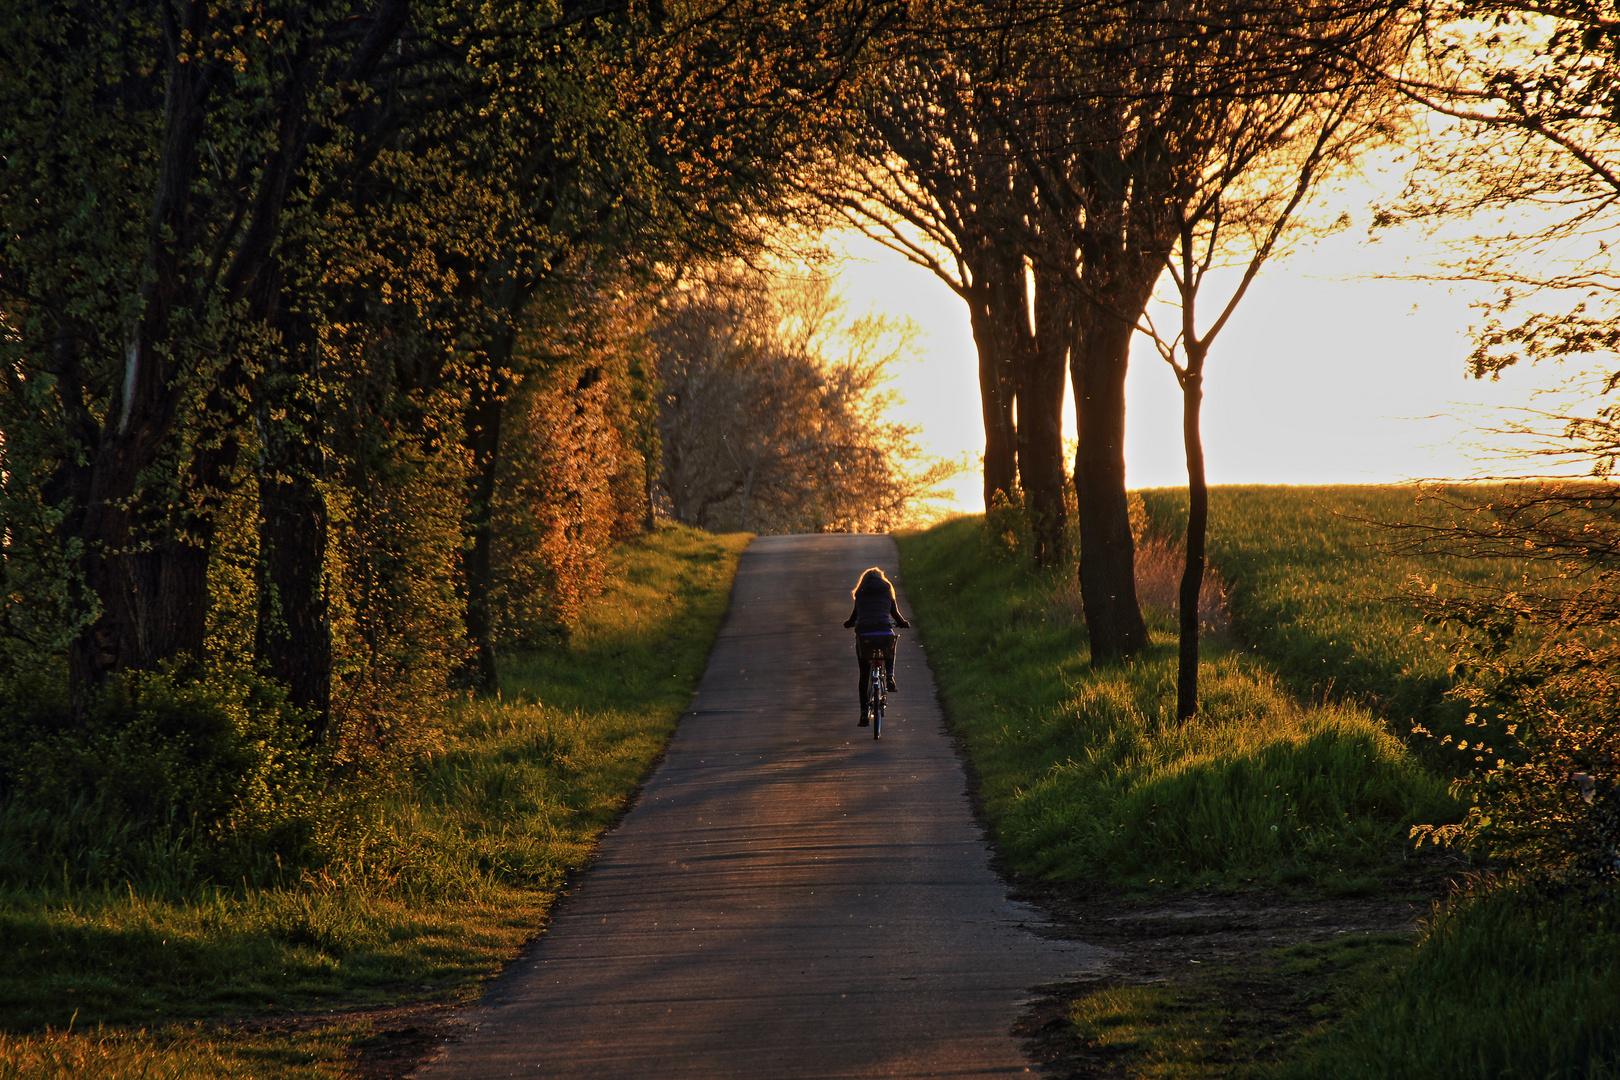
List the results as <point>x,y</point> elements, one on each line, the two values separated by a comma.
<point>1085,777</point>
<point>1085,774</point>
<point>450,871</point>
<point>1510,982</point>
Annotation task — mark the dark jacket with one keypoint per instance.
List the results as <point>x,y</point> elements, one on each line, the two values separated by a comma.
<point>875,611</point>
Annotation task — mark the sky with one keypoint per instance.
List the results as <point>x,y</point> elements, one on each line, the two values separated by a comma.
<point>1325,375</point>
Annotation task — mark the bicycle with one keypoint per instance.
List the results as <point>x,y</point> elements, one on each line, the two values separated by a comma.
<point>875,697</point>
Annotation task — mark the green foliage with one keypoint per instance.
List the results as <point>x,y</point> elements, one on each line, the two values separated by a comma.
<point>1085,773</point>
<point>1548,802</point>
<point>1007,528</point>
<point>1508,982</point>
<point>1535,665</point>
<point>430,878</point>
<point>168,782</point>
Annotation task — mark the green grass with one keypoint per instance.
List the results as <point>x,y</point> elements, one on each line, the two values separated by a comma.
<point>1318,595</point>
<point>446,872</point>
<point>1085,774</point>
<point>1231,1022</point>
<point>1507,985</point>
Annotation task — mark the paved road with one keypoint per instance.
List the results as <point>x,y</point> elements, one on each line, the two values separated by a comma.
<point>788,898</point>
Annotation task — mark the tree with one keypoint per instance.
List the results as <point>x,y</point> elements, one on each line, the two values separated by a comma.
<point>1284,97</point>
<point>774,412</point>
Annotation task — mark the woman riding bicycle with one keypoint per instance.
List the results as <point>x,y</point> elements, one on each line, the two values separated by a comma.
<point>874,618</point>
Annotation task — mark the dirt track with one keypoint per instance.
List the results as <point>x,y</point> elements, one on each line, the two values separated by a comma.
<point>788,898</point>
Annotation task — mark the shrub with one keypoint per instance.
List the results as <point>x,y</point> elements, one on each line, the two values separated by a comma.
<point>169,776</point>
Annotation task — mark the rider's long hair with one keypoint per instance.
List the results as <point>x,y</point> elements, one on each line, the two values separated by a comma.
<point>869,580</point>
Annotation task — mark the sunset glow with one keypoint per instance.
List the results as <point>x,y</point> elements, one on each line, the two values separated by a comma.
<point>1328,374</point>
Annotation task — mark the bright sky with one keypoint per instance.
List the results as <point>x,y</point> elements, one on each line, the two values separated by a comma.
<point>1323,376</point>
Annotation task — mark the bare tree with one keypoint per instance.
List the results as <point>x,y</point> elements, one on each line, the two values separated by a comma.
<point>774,416</point>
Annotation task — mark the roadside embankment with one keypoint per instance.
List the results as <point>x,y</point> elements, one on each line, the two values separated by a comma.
<point>1278,815</point>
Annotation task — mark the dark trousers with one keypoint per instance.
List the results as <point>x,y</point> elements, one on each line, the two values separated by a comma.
<point>873,649</point>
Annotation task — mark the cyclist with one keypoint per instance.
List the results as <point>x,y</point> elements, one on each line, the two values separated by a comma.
<point>874,618</point>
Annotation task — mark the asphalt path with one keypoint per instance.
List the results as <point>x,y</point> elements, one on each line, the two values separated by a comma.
<point>787,898</point>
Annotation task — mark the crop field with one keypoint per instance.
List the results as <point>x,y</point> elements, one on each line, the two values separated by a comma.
<point>442,875</point>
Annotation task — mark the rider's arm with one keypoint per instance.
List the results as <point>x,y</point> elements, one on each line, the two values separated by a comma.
<point>852,613</point>
<point>894,613</point>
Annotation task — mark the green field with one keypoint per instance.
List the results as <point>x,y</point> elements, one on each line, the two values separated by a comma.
<point>1085,773</point>
<point>1317,594</point>
<point>1299,772</point>
<point>444,874</point>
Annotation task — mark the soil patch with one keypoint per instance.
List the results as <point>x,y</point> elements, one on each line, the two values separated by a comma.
<point>1225,954</point>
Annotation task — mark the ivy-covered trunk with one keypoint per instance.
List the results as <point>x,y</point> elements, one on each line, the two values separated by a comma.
<point>134,525</point>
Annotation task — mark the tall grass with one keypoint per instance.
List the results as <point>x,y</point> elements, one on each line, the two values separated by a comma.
<point>1085,773</point>
<point>1508,984</point>
<point>443,868</point>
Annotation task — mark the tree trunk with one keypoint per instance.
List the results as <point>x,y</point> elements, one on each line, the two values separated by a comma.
<point>996,397</point>
<point>1040,422</point>
<point>1107,552</point>
<point>293,635</point>
<point>1192,577</point>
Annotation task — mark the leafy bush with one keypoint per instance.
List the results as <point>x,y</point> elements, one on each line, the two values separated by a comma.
<point>1535,664</point>
<point>169,779</point>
